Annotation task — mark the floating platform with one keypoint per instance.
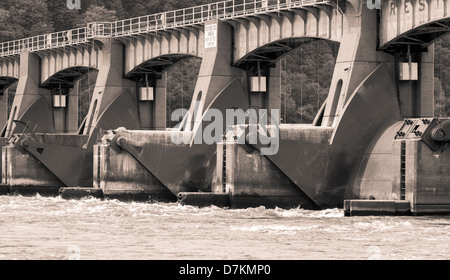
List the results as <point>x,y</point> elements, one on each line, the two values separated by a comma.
<point>79,193</point>
<point>391,208</point>
<point>376,208</point>
<point>140,196</point>
<point>47,191</point>
<point>204,199</point>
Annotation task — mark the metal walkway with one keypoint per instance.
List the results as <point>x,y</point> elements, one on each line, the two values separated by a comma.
<point>187,17</point>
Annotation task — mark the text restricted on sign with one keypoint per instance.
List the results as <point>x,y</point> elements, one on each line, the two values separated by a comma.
<point>211,36</point>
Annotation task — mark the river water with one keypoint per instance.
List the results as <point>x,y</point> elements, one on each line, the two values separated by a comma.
<point>42,228</point>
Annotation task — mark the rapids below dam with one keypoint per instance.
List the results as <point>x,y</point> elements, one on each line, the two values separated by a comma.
<point>42,228</point>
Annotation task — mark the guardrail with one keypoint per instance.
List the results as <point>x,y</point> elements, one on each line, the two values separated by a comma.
<point>200,14</point>
<point>151,23</point>
<point>47,41</point>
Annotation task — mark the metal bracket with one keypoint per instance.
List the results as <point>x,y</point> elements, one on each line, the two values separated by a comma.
<point>25,142</point>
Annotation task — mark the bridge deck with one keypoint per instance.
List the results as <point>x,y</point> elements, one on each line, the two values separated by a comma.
<point>152,23</point>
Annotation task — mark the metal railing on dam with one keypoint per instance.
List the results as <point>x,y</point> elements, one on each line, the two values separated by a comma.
<point>152,23</point>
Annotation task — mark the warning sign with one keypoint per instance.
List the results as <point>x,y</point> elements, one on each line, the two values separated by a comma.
<point>211,36</point>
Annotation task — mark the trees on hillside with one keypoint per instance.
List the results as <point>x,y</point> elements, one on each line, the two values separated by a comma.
<point>6,29</point>
<point>62,17</point>
<point>306,77</point>
<point>442,77</point>
<point>97,13</point>
<point>24,18</point>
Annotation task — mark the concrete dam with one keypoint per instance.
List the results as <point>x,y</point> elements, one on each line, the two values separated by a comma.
<point>375,146</point>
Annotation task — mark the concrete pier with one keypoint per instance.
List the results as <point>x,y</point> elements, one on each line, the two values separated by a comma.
<point>31,103</point>
<point>404,165</point>
<point>120,175</point>
<point>43,158</point>
<point>150,161</point>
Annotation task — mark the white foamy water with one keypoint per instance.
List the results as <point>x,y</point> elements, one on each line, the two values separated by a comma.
<point>91,229</point>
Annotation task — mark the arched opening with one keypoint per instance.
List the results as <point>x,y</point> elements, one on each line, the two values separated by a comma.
<point>181,80</point>
<point>306,75</point>
<point>174,74</point>
<point>418,40</point>
<point>306,69</point>
<point>71,94</point>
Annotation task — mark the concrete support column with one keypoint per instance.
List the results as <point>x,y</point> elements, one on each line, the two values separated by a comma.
<point>114,99</point>
<point>216,71</point>
<point>417,95</point>
<point>159,104</point>
<point>273,97</point>
<point>270,95</point>
<point>257,100</point>
<point>3,108</point>
<point>357,58</point>
<point>31,104</point>
<point>65,118</point>
<point>72,112</point>
<point>152,113</point>
<point>146,114</point>
<point>59,119</point>
<point>425,102</point>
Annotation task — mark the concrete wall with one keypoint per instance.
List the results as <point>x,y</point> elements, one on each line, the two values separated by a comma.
<point>379,173</point>
<point>386,169</point>
<point>20,169</point>
<point>252,180</point>
<point>121,174</point>
<point>428,179</point>
<point>182,167</point>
